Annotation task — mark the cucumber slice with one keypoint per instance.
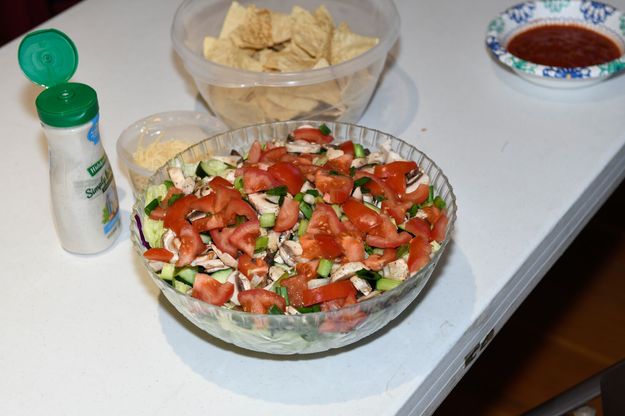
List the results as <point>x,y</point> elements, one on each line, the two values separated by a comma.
<point>213,167</point>
<point>221,275</point>
<point>261,243</point>
<point>306,209</point>
<point>384,284</point>
<point>181,286</point>
<point>359,151</point>
<point>324,268</point>
<point>373,207</point>
<point>267,220</point>
<point>167,272</point>
<point>302,227</point>
<point>186,275</point>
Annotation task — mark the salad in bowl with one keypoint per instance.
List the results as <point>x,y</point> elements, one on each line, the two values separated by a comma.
<point>300,237</point>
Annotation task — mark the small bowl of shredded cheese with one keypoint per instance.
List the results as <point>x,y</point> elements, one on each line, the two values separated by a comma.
<point>147,144</point>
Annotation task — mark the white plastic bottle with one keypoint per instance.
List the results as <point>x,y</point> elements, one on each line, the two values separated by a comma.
<point>84,197</point>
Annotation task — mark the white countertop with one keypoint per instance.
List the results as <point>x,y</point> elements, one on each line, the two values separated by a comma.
<point>92,335</point>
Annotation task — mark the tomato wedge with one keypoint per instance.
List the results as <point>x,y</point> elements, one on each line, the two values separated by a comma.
<point>287,216</point>
<point>219,181</point>
<point>432,213</point>
<point>324,221</point>
<point>420,227</point>
<point>244,236</point>
<point>223,196</point>
<point>210,222</point>
<point>419,254</point>
<point>340,164</point>
<point>260,300</point>
<point>419,195</point>
<point>385,235</point>
<point>191,245</point>
<point>377,185</point>
<point>352,246</point>
<point>256,180</point>
<point>363,217</point>
<point>295,287</point>
<point>256,150</point>
<point>336,290</point>
<point>251,266</point>
<point>239,207</point>
<point>400,167</point>
<point>336,188</point>
<point>377,262</point>
<point>396,209</point>
<point>158,254</point>
<point>206,203</point>
<point>347,147</point>
<point>177,212</point>
<point>273,154</point>
<point>320,246</point>
<point>311,134</point>
<point>221,239</point>
<point>287,174</point>
<point>440,228</point>
<point>308,269</point>
<point>210,290</point>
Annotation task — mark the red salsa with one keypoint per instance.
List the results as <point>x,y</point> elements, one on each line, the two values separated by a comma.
<point>563,45</point>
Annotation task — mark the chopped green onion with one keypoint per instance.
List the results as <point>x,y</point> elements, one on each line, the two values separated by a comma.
<point>385,284</point>
<point>325,130</point>
<point>306,209</point>
<point>334,173</point>
<point>238,184</point>
<point>281,200</point>
<point>368,274</point>
<point>325,267</point>
<point>373,207</point>
<point>274,310</point>
<point>277,191</point>
<point>361,181</point>
<point>403,250</point>
<point>439,202</point>
<point>368,249</point>
<point>352,171</point>
<point>378,251</point>
<point>320,160</point>
<point>206,238</point>
<point>167,272</point>
<point>379,198</point>
<point>267,220</point>
<point>168,184</point>
<point>430,196</point>
<point>299,197</point>
<point>261,243</point>
<point>240,219</point>
<point>359,151</point>
<point>364,190</point>
<point>173,199</point>
<point>282,291</point>
<point>309,309</point>
<point>413,210</point>
<point>302,227</point>
<point>151,206</point>
<point>313,192</point>
<point>337,209</point>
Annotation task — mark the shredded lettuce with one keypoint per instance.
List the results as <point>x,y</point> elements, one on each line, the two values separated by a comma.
<point>155,191</point>
<point>153,231</point>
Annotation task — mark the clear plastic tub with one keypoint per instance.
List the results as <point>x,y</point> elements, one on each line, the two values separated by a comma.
<point>188,126</point>
<point>239,97</point>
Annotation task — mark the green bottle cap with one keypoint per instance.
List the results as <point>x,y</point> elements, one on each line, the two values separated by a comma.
<point>67,105</point>
<point>48,57</point>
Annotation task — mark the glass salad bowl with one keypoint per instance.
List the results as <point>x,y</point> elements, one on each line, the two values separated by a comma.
<point>310,332</point>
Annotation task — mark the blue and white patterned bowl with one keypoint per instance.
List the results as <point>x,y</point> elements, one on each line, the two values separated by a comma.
<point>592,14</point>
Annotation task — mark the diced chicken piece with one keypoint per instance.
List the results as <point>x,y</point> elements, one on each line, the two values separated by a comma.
<point>315,283</point>
<point>306,187</point>
<point>272,241</point>
<point>226,258</point>
<point>262,205</point>
<point>376,157</point>
<point>230,176</point>
<point>334,153</point>
<point>290,310</point>
<point>301,146</point>
<point>361,285</point>
<point>359,162</point>
<point>232,278</point>
<point>275,272</point>
<point>372,294</point>
<point>257,281</point>
<point>289,252</point>
<point>186,185</point>
<point>347,270</point>
<point>389,154</point>
<point>396,270</point>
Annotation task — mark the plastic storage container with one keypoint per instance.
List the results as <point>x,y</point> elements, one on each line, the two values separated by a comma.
<point>341,91</point>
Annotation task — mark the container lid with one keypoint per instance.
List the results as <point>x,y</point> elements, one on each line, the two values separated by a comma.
<point>67,105</point>
<point>48,57</point>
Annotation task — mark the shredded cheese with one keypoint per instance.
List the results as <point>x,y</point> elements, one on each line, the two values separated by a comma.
<point>154,155</point>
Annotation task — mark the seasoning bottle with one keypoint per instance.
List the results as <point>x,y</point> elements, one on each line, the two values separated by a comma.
<point>84,197</point>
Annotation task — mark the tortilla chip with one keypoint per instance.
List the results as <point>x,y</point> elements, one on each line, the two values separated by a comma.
<point>280,27</point>
<point>224,52</point>
<point>321,63</point>
<point>310,34</point>
<point>291,58</point>
<point>236,106</point>
<point>255,31</point>
<point>234,18</point>
<point>347,45</point>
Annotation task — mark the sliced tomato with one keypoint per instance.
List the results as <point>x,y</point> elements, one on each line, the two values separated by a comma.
<point>400,167</point>
<point>347,320</point>
<point>377,185</point>
<point>418,226</point>
<point>256,180</point>
<point>210,290</point>
<point>295,287</point>
<point>287,174</point>
<point>260,300</point>
<point>336,188</point>
<point>170,192</point>
<point>210,222</point>
<point>385,235</point>
<point>377,262</point>
<point>221,238</point>
<point>256,150</point>
<point>363,218</point>
<point>352,245</point>
<point>311,134</point>
<point>397,183</point>
<point>244,236</point>
<point>320,246</point>
<point>417,196</point>
<point>440,227</point>
<point>432,213</point>
<point>419,254</point>
<point>340,164</point>
<point>223,196</point>
<point>396,209</point>
<point>308,269</point>
<point>239,207</point>
<point>191,245</point>
<point>158,254</point>
<point>158,213</point>
<point>347,147</point>
<point>218,180</point>
<point>324,221</point>
<point>251,266</point>
<point>273,154</point>
<point>336,290</point>
<point>287,216</point>
<point>206,203</point>
<point>177,212</point>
